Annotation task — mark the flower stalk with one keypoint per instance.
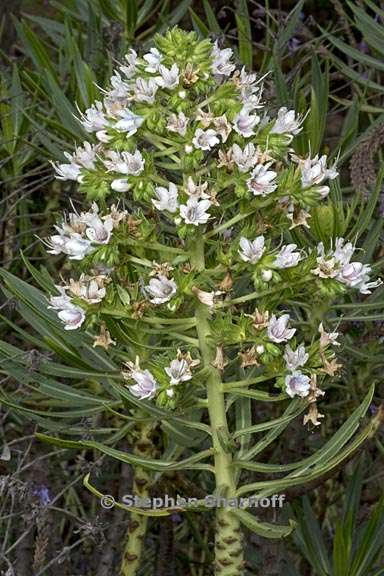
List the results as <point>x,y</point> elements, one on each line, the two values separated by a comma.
<point>228,537</point>
<point>137,527</point>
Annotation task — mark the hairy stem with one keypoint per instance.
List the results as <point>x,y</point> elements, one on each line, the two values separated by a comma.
<point>228,539</point>
<point>137,526</point>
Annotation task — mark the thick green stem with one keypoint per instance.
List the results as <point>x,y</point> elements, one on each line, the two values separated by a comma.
<point>137,526</point>
<point>228,540</point>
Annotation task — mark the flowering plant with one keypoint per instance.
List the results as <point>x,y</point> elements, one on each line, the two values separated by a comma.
<point>193,267</point>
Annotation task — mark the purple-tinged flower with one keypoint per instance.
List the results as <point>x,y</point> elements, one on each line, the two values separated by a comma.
<point>297,384</point>
<point>278,330</point>
<point>161,289</point>
<point>251,251</point>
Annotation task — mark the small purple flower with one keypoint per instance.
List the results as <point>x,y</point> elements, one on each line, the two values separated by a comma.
<point>42,492</point>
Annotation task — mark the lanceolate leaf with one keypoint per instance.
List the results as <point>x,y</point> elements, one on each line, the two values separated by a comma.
<point>189,463</point>
<point>263,529</point>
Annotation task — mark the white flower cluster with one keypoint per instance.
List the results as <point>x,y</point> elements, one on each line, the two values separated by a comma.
<point>337,264</point>
<point>143,84</point>
<point>296,382</point>
<point>252,251</point>
<point>187,137</point>
<point>89,289</point>
<point>334,264</point>
<point>146,385</point>
<point>71,315</point>
<point>79,234</point>
<point>278,332</point>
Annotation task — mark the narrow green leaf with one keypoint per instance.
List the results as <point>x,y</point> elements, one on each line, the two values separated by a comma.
<point>244,34</point>
<point>263,529</point>
<point>213,24</point>
<point>199,25</point>
<point>130,11</point>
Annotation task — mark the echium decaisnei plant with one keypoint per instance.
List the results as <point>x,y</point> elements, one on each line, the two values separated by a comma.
<point>193,263</point>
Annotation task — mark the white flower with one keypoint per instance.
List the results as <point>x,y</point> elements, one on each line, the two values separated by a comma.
<point>251,251</point>
<point>167,198</point>
<point>261,181</point>
<point>314,172</point>
<point>153,58</point>
<point>131,59</point>
<point>205,139</point>
<point>120,185</point>
<point>145,90</point>
<point>287,257</point>
<point>297,384</point>
<point>72,316</point>
<point>169,78</point>
<point>195,211</point>
<point>125,162</point>
<point>146,385</point>
<point>277,329</point>
<point>295,358</point>
<point>244,122</point>
<point>343,252</point>
<point>92,292</point>
<point>74,246</point>
<point>62,301</point>
<point>178,123</point>
<point>94,118</point>
<point>287,123</point>
<point>97,231</point>
<point>252,101</point>
<point>221,61</point>
<point>356,275</point>
<point>161,289</point>
<point>71,224</point>
<point>250,89</point>
<point>178,371</point>
<point>246,79</point>
<point>367,287</point>
<point>103,136</point>
<point>119,91</point>
<point>56,244</point>
<point>130,122</point>
<point>244,159</point>
<point>113,105</point>
<point>67,171</point>
<point>84,157</point>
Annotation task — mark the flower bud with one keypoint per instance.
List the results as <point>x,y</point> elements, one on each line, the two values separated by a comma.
<point>266,275</point>
<point>120,185</point>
